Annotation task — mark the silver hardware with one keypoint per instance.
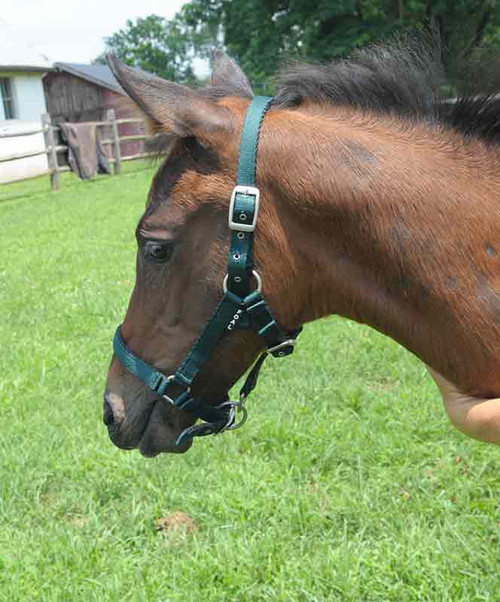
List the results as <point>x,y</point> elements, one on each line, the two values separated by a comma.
<point>241,235</point>
<point>247,191</point>
<point>236,257</point>
<point>289,343</point>
<point>166,397</point>
<point>234,407</point>
<point>169,399</point>
<point>237,278</point>
<point>255,274</point>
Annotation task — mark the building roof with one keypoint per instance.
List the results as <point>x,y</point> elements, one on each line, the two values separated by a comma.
<point>100,75</point>
<point>16,56</point>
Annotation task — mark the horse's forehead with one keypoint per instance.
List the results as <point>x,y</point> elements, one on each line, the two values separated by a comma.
<point>165,179</point>
<point>179,189</point>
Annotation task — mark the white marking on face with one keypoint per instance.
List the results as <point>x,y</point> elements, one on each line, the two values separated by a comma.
<point>117,405</point>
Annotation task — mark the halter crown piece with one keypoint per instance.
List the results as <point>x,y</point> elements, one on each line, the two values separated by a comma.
<point>241,307</point>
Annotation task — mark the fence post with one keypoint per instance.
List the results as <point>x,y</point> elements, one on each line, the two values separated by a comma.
<point>51,151</point>
<point>117,166</point>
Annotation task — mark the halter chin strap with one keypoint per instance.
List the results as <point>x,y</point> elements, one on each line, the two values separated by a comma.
<point>241,307</point>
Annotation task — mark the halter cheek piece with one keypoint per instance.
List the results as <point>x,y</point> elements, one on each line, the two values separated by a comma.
<point>241,307</point>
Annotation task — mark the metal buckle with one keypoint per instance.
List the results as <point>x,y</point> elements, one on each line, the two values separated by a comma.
<point>166,397</point>
<point>247,191</point>
<point>289,343</point>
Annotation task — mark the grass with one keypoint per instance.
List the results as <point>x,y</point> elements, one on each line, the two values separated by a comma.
<point>347,483</point>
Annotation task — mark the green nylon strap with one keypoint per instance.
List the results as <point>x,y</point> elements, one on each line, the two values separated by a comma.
<point>151,377</point>
<point>240,261</point>
<point>240,264</point>
<point>247,160</point>
<point>214,329</point>
<point>134,364</point>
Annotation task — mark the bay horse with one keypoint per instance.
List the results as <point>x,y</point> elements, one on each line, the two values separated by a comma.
<point>380,202</point>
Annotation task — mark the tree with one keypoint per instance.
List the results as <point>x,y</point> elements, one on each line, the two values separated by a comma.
<point>262,33</point>
<point>156,45</point>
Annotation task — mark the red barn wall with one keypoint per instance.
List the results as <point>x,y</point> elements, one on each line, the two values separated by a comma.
<point>112,100</point>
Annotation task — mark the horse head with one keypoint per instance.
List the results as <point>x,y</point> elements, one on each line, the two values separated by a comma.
<point>183,243</point>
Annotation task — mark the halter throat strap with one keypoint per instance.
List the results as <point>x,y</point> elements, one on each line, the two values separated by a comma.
<point>241,307</point>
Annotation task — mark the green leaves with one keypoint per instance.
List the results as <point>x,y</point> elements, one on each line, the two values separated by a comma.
<point>262,34</point>
<point>155,45</point>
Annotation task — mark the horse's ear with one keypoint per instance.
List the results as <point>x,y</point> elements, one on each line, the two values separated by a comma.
<point>172,107</point>
<point>228,75</point>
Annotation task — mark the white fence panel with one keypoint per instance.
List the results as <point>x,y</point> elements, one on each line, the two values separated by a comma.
<point>17,138</point>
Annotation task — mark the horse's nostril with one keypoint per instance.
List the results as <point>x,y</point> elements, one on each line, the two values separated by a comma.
<point>108,416</point>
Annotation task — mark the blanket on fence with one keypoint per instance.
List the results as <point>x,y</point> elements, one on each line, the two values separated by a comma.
<point>86,155</point>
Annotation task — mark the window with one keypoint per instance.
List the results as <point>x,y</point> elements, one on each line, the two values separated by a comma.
<point>7,98</point>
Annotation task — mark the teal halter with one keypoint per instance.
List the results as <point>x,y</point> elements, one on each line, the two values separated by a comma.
<point>240,307</point>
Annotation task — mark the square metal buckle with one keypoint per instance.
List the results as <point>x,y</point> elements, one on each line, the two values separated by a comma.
<point>240,225</point>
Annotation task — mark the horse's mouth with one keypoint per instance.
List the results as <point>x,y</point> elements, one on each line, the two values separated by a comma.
<point>153,432</point>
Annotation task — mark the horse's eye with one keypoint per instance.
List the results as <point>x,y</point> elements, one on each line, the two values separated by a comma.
<point>157,251</point>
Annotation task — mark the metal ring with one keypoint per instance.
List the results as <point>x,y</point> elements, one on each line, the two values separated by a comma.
<point>255,274</point>
<point>234,406</point>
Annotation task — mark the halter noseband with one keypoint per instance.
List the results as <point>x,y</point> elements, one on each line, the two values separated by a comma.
<point>241,307</point>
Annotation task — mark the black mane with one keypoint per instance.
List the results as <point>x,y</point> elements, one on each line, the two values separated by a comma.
<point>402,79</point>
<point>393,79</point>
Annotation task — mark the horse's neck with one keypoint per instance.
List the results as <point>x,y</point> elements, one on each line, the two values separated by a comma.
<point>389,227</point>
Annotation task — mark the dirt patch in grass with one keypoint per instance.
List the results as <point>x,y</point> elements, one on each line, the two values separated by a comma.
<point>177,521</point>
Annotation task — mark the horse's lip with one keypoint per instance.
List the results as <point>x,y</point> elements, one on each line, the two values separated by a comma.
<point>114,435</point>
<point>115,432</point>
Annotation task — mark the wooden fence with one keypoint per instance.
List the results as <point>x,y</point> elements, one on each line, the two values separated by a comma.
<point>52,149</point>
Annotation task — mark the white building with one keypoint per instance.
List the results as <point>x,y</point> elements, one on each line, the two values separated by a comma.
<point>22,102</point>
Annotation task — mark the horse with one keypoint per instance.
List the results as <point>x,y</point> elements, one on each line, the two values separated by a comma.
<point>379,202</point>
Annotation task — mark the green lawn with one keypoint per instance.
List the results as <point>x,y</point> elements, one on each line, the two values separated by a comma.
<point>347,483</point>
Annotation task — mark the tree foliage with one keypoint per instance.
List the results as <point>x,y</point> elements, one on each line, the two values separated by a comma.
<point>155,45</point>
<point>261,34</point>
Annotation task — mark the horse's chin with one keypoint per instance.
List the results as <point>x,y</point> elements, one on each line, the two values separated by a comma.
<point>160,438</point>
<point>148,452</point>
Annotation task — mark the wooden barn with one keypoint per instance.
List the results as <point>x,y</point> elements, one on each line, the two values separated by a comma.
<point>76,92</point>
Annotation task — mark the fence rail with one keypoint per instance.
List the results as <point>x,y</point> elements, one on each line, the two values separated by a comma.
<point>52,149</point>
<point>22,155</point>
<point>18,134</point>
